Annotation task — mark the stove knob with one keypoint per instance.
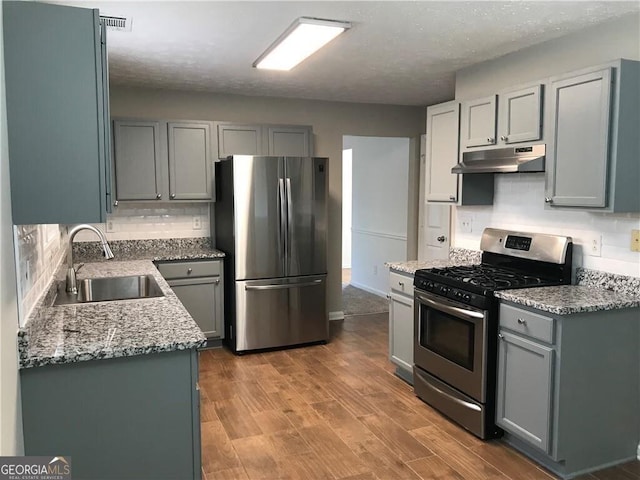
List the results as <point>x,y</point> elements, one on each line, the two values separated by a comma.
<point>467,297</point>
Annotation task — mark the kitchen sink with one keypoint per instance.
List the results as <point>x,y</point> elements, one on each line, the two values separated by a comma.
<point>106,289</point>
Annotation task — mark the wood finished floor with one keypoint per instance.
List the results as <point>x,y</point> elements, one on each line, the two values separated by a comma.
<point>337,411</point>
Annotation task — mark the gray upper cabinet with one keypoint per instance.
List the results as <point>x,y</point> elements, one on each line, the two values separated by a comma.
<point>163,160</point>
<point>520,115</point>
<point>234,139</point>
<point>137,160</point>
<point>275,140</point>
<point>478,122</point>
<point>593,148</point>
<point>190,164</point>
<point>57,113</point>
<point>289,141</point>
<point>443,128</point>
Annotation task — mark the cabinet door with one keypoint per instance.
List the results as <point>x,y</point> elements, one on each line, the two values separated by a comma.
<point>520,115</point>
<point>289,141</point>
<point>202,297</point>
<point>443,127</point>
<point>479,122</point>
<point>137,160</point>
<point>401,331</point>
<point>55,123</point>
<point>239,140</point>
<point>190,165</point>
<point>579,143</point>
<point>525,376</point>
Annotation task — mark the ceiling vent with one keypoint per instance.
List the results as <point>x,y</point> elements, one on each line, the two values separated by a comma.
<point>118,24</point>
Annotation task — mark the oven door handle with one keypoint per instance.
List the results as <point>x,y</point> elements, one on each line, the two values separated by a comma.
<point>456,311</point>
<point>464,403</point>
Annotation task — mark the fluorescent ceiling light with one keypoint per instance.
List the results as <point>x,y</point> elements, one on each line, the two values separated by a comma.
<point>304,37</point>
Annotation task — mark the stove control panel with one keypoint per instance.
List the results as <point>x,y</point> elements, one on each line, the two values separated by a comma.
<point>456,294</point>
<point>518,243</point>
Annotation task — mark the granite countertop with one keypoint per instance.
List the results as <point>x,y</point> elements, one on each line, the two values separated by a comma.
<point>568,299</point>
<point>457,256</point>
<point>93,331</point>
<point>154,250</point>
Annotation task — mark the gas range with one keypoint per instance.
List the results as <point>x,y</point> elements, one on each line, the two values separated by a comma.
<point>456,321</point>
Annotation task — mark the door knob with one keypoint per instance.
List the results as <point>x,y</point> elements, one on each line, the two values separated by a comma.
<point>441,238</point>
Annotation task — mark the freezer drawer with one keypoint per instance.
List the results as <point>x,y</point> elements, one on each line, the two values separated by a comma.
<point>280,312</point>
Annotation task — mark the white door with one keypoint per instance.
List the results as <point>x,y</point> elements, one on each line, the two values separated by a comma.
<point>437,226</point>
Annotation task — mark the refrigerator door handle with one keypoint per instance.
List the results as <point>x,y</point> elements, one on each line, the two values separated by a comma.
<point>285,285</point>
<point>289,220</point>
<point>282,232</point>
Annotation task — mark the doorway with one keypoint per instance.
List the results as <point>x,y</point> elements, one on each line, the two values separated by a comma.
<point>375,207</point>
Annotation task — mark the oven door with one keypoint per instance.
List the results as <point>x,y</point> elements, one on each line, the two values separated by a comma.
<point>449,342</point>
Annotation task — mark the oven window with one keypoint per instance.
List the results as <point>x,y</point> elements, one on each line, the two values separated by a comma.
<point>448,336</point>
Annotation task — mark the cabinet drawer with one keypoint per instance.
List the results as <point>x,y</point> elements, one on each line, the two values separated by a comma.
<point>401,283</point>
<point>527,323</point>
<point>190,269</point>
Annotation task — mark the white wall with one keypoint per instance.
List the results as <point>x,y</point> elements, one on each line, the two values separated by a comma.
<point>330,122</point>
<point>519,198</point>
<point>10,413</point>
<point>347,206</point>
<point>380,208</point>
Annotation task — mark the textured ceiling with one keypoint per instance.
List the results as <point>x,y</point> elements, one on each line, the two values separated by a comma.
<point>403,53</point>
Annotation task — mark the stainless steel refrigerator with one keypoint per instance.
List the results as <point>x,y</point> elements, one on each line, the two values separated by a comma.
<point>270,218</point>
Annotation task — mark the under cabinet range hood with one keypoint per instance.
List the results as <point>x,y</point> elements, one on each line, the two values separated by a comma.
<point>503,160</point>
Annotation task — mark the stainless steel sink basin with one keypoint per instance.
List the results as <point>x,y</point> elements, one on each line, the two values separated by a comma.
<point>110,288</point>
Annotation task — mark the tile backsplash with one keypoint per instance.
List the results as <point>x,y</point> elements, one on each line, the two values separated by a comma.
<point>519,205</point>
<point>145,221</point>
<point>40,250</point>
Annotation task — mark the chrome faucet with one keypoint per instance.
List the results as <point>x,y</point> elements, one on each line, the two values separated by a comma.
<point>71,272</point>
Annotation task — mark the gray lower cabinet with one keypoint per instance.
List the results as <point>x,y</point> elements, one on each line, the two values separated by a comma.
<point>274,140</point>
<point>132,418</point>
<point>593,146</point>
<point>568,386</point>
<point>57,113</point>
<point>522,410</point>
<point>199,286</point>
<point>163,160</point>
<point>401,324</point>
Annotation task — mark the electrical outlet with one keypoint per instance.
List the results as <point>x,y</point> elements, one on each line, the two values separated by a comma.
<point>109,226</point>
<point>197,222</point>
<point>635,240</point>
<point>466,224</point>
<point>593,245</point>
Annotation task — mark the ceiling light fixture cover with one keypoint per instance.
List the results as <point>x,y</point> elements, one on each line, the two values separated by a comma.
<point>304,37</point>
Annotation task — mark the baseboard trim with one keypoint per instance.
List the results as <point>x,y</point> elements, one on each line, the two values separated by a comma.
<point>369,289</point>
<point>335,316</point>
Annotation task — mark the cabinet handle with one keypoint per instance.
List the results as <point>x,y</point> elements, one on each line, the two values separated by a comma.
<point>500,336</point>
<point>158,196</point>
<point>452,197</point>
<point>388,297</point>
<point>115,204</point>
<point>401,284</point>
<point>504,138</point>
<point>441,238</point>
<point>548,200</point>
<point>216,281</point>
<point>173,195</point>
<point>189,270</point>
<point>522,321</point>
<point>490,140</point>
